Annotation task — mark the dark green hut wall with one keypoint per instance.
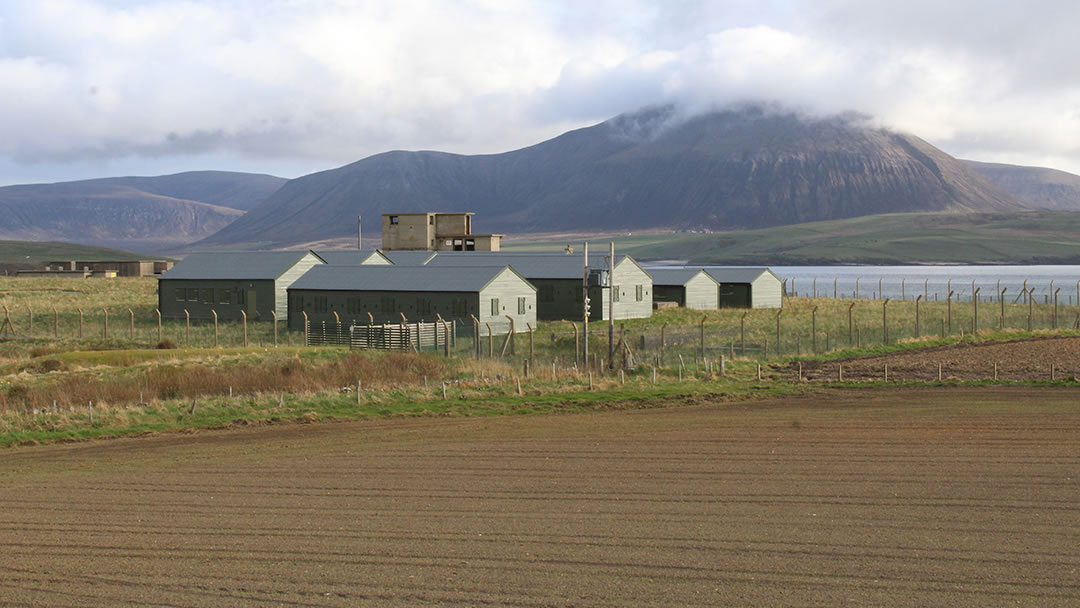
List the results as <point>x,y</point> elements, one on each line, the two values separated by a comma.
<point>226,297</point>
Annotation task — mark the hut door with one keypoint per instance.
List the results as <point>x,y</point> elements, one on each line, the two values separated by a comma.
<point>251,302</point>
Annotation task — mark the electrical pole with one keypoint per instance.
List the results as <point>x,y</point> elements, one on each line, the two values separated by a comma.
<point>359,233</point>
<point>611,306</point>
<point>585,305</point>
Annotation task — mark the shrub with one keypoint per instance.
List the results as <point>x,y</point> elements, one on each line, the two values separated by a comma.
<point>165,345</point>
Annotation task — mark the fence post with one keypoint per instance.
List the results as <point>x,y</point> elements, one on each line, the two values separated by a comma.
<point>577,343</point>
<point>531,351</point>
<point>1001,301</point>
<point>857,279</point>
<point>31,311</point>
<point>850,325</point>
<point>948,307</point>
<point>307,327</point>
<point>663,343</point>
<point>511,337</point>
<point>702,332</point>
<point>815,287</point>
<point>105,327</point>
<point>158,312</point>
<point>1030,303</point>
<point>214,314</point>
<point>1056,307</point>
<point>813,329</point>
<point>742,335</point>
<point>187,327</point>
<point>903,289</point>
<point>491,341</point>
<point>80,323</point>
<point>975,310</point>
<point>243,320</point>
<point>778,349</point>
<point>926,289</point>
<point>885,320</point>
<point>273,316</point>
<point>476,336</point>
<point>56,323</point>
<point>879,292</point>
<point>834,292</point>
<point>918,332</point>
<point>131,326</point>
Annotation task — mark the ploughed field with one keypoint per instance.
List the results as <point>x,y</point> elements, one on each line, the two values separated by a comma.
<point>964,496</point>
<point>1026,359</point>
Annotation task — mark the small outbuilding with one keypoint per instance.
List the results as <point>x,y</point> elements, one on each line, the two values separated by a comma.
<point>349,294</point>
<point>748,287</point>
<point>688,287</point>
<point>229,282</point>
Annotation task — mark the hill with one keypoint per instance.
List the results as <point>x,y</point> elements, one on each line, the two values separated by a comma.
<point>1032,237</point>
<point>152,213</point>
<point>748,167</point>
<point>24,255</point>
<point>1039,187</point>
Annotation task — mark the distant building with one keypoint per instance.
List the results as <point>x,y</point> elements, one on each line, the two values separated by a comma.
<point>123,268</point>
<point>689,287</point>
<point>434,232</point>
<point>558,278</point>
<point>748,287</point>
<point>349,294</point>
<point>229,282</point>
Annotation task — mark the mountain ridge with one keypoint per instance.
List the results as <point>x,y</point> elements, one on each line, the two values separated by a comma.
<point>748,167</point>
<point>151,213</point>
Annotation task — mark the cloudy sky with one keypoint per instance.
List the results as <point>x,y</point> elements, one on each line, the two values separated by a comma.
<point>93,88</point>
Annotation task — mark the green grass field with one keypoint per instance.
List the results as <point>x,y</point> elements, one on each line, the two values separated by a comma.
<point>1035,237</point>
<point>26,255</point>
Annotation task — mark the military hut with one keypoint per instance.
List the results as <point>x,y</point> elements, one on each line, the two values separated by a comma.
<point>421,293</point>
<point>689,287</point>
<point>748,287</point>
<point>558,279</point>
<point>233,281</point>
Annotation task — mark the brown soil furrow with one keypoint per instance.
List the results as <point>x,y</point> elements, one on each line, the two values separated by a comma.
<point>960,497</point>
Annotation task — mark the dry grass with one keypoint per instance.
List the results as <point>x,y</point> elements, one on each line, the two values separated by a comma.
<point>206,378</point>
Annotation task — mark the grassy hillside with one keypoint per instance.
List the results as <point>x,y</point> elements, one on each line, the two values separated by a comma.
<point>25,255</point>
<point>1032,237</point>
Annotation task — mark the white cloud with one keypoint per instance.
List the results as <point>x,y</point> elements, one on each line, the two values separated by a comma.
<point>92,83</point>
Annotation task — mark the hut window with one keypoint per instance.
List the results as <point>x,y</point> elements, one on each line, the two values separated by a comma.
<point>193,294</point>
<point>615,293</point>
<point>320,303</point>
<point>208,295</point>
<point>547,293</point>
<point>639,292</point>
<point>521,306</point>
<point>389,305</point>
<point>423,306</point>
<point>494,307</point>
<point>224,296</point>
<point>180,294</point>
<point>460,307</point>
<point>241,297</point>
<point>393,220</point>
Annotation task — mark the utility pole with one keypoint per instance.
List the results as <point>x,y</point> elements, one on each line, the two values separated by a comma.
<point>359,233</point>
<point>611,306</point>
<point>585,306</point>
